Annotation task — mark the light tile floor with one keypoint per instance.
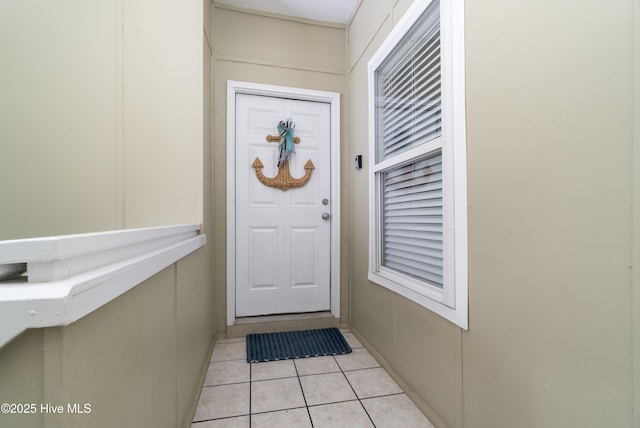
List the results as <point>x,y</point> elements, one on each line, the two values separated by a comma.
<point>343,391</point>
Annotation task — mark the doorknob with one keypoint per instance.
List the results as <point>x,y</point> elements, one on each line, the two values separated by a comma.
<point>325,216</point>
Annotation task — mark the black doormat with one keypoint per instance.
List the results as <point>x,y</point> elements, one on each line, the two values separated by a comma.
<point>295,344</point>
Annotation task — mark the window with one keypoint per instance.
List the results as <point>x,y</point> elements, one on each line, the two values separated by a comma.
<point>418,222</point>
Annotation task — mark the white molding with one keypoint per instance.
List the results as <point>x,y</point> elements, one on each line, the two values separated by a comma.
<point>59,302</point>
<point>459,128</point>
<point>452,304</point>
<point>333,98</point>
<point>53,248</point>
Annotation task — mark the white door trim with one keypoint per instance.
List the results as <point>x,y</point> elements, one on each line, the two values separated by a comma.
<point>333,98</point>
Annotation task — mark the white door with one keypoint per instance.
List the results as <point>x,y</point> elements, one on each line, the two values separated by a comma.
<point>283,243</point>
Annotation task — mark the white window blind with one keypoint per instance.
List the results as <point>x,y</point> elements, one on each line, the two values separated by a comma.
<point>408,89</point>
<point>412,219</point>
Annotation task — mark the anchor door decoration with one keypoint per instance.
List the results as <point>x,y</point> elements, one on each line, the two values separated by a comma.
<point>283,179</point>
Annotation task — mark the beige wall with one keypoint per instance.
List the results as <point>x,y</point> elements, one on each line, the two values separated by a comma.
<point>101,116</point>
<point>549,174</point>
<point>139,360</point>
<point>22,374</point>
<point>567,330</point>
<point>162,153</point>
<point>57,118</point>
<point>271,50</point>
<point>105,129</point>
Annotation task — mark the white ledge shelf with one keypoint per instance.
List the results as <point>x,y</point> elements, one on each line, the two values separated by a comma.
<point>71,276</point>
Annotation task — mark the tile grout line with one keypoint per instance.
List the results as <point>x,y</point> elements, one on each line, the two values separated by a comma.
<point>216,419</point>
<point>275,378</point>
<point>355,393</point>
<point>304,397</point>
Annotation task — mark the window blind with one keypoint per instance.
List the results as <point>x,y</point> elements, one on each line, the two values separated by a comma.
<point>408,92</point>
<point>412,219</point>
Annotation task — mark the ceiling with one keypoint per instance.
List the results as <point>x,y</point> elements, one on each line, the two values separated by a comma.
<point>336,11</point>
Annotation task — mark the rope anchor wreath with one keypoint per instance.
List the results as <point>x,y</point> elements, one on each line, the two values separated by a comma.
<point>283,180</point>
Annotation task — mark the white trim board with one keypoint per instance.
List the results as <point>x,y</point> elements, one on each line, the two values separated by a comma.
<point>87,271</point>
<point>333,99</point>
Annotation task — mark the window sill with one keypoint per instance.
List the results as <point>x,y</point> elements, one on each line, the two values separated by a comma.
<point>71,276</point>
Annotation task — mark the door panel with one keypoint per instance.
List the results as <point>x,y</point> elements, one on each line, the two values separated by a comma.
<point>283,246</point>
<point>263,257</point>
<point>304,246</point>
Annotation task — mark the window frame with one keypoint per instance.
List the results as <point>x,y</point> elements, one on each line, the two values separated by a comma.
<point>450,302</point>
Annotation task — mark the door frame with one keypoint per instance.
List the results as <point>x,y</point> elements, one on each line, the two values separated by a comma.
<point>333,99</point>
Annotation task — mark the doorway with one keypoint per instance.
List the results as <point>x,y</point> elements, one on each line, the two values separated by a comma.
<point>283,243</point>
